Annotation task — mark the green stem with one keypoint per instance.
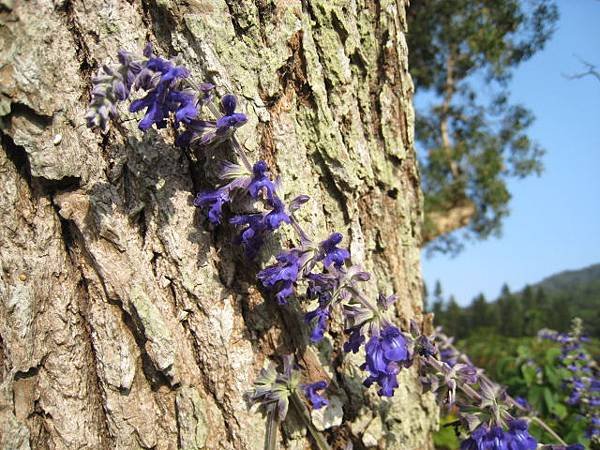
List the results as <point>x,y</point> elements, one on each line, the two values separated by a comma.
<point>358,295</point>
<point>298,229</point>
<point>468,390</point>
<point>272,427</point>
<point>512,402</point>
<point>302,410</point>
<point>550,431</point>
<point>237,147</point>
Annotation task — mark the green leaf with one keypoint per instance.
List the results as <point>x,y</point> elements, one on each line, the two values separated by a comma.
<point>560,410</point>
<point>523,351</point>
<point>549,398</point>
<point>536,397</point>
<point>529,373</point>
<point>553,377</point>
<point>551,355</point>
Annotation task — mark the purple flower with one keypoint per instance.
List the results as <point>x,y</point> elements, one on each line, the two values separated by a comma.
<point>252,234</point>
<point>320,285</point>
<point>385,302</point>
<point>355,340</point>
<point>215,201</point>
<point>187,111</point>
<point>297,202</point>
<point>281,276</point>
<point>448,353</point>
<point>475,441</point>
<point>207,92</point>
<point>424,346</point>
<point>194,130</point>
<point>212,132</point>
<point>277,215</point>
<point>261,182</point>
<point>316,400</point>
<point>385,353</point>
<point>112,85</point>
<point>574,398</point>
<point>256,226</point>
<point>466,373</point>
<point>496,439</point>
<point>330,253</point>
<point>522,402</point>
<point>166,97</point>
<point>594,428</point>
<point>319,319</point>
<point>520,437</point>
<point>393,344</point>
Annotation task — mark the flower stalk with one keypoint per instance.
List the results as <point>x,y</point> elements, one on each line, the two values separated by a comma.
<point>172,97</point>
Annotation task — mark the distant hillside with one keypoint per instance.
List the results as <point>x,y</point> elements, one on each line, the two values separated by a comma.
<point>564,282</point>
<point>550,303</point>
<point>580,289</point>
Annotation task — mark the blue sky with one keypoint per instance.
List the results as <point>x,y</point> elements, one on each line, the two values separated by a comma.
<point>554,223</point>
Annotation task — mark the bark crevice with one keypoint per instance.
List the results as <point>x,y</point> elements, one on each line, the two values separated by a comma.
<point>128,322</point>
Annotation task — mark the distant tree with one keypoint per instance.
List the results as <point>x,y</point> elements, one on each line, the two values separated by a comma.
<point>505,291</point>
<point>527,297</point>
<point>438,303</point>
<point>533,314</point>
<point>540,297</point>
<point>510,312</point>
<point>560,313</point>
<point>438,292</point>
<point>425,298</point>
<point>438,312</point>
<point>470,144</point>
<point>481,313</point>
<point>454,319</point>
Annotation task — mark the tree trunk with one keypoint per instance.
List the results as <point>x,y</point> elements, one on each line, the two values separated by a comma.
<point>125,321</point>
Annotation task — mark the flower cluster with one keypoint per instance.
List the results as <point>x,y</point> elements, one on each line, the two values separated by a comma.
<point>484,409</point>
<point>113,85</point>
<point>516,437</point>
<point>213,132</point>
<point>317,271</point>
<point>159,78</point>
<point>582,383</point>
<point>245,183</point>
<point>272,389</point>
<point>320,266</point>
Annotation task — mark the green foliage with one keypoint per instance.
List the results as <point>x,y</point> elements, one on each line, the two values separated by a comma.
<point>498,337</point>
<point>551,304</point>
<point>529,368</point>
<point>445,438</point>
<point>472,144</point>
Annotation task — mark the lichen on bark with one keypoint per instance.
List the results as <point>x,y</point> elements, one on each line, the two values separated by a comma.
<point>126,322</point>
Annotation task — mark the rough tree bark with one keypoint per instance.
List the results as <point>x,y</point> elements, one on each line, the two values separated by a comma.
<point>125,322</point>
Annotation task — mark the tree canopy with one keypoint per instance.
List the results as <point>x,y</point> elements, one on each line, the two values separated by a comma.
<point>471,138</point>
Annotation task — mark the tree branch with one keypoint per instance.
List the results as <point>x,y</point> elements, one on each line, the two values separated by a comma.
<point>591,71</point>
<point>449,90</point>
<point>447,220</point>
